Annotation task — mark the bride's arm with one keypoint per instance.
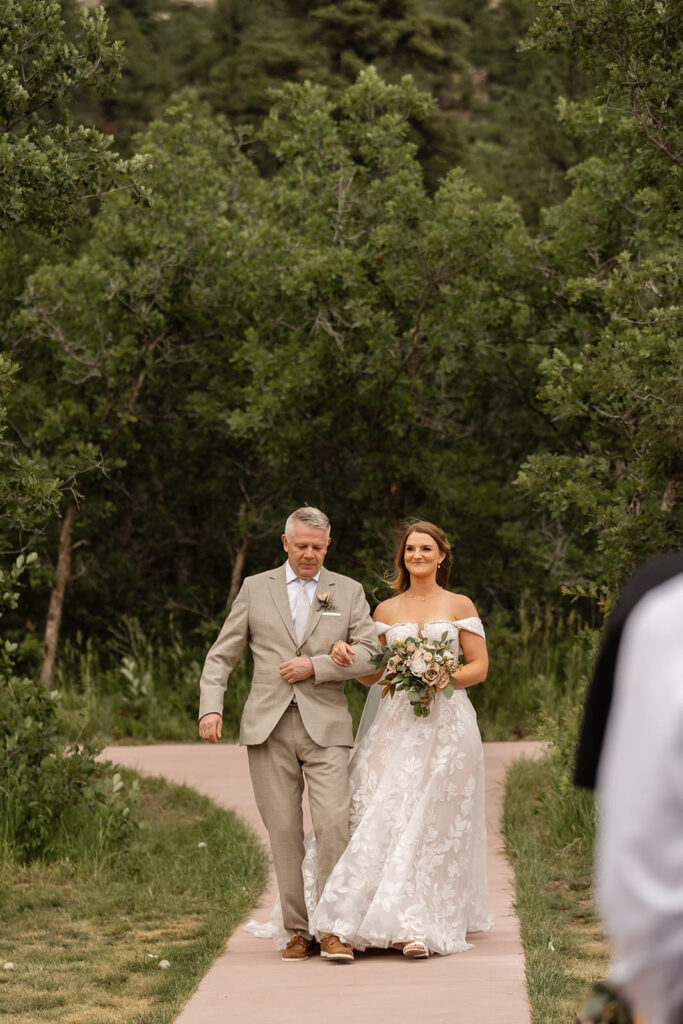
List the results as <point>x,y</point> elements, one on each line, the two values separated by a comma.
<point>343,654</point>
<point>473,646</point>
<point>476,665</point>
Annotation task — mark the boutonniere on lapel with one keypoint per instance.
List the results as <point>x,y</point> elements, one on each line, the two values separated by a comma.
<point>325,602</point>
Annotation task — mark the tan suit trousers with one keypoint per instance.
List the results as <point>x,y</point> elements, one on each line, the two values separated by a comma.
<point>276,767</point>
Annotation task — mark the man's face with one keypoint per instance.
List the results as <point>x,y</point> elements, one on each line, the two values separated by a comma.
<point>306,549</point>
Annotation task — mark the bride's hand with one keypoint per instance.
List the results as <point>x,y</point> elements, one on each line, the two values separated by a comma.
<point>342,653</point>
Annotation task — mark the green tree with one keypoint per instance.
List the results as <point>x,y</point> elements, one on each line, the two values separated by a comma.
<point>51,168</point>
<point>494,111</point>
<point>612,259</point>
<point>28,491</point>
<point>391,320</point>
<point>111,332</point>
<point>634,52</point>
<point>513,142</point>
<point>53,171</point>
<point>331,334</point>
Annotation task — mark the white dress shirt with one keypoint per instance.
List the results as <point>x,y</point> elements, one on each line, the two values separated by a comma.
<point>310,587</point>
<point>640,796</point>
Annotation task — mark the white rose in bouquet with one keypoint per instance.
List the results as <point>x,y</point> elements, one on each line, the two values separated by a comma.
<point>418,666</point>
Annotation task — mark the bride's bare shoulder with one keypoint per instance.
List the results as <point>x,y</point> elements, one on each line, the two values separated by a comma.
<point>386,611</point>
<point>462,607</point>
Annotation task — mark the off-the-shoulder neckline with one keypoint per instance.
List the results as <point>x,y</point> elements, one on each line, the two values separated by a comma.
<point>432,622</point>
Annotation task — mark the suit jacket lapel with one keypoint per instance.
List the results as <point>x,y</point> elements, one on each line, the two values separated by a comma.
<point>324,584</point>
<point>278,591</point>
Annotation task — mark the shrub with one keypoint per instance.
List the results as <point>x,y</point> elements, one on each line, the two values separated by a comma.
<point>143,685</point>
<point>52,796</point>
<point>537,664</point>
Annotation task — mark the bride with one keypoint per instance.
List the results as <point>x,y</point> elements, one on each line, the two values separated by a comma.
<point>413,875</point>
<point>414,872</point>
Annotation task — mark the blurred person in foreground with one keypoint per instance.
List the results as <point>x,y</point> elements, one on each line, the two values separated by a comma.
<point>631,752</point>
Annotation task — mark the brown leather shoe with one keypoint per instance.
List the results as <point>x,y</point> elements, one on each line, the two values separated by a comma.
<point>298,948</point>
<point>333,948</point>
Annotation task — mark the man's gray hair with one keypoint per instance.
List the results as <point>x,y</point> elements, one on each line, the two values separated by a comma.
<point>307,516</point>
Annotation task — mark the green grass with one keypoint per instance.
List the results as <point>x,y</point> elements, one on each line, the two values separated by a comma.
<point>536,663</point>
<point>140,687</point>
<point>87,935</point>
<point>548,827</point>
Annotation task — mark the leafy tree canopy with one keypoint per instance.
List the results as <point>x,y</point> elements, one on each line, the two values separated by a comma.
<point>50,168</point>
<point>494,111</point>
<point>295,315</point>
<point>611,256</point>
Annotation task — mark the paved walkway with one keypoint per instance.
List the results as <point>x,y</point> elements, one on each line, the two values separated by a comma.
<point>249,982</point>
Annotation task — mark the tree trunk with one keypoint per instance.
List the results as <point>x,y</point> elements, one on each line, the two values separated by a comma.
<point>237,570</point>
<point>670,494</point>
<point>54,614</point>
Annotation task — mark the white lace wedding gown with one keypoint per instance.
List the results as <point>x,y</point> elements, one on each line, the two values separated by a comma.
<point>415,865</point>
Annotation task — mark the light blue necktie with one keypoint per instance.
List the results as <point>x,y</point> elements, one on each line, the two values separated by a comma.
<point>302,610</point>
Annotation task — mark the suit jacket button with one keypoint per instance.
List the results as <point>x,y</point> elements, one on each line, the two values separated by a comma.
<point>298,654</point>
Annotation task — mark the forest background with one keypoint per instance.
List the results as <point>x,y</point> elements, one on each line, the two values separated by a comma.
<point>246,264</point>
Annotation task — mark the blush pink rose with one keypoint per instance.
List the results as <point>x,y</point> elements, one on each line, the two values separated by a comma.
<point>443,680</point>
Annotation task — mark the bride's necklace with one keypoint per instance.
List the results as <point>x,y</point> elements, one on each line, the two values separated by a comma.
<point>413,597</point>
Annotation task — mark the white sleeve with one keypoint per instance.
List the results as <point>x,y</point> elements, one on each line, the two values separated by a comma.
<point>472,625</point>
<point>640,796</point>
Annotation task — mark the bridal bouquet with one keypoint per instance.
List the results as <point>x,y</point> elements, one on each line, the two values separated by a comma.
<point>421,668</point>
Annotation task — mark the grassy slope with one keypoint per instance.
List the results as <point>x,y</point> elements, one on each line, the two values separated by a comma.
<point>86,939</point>
<point>549,843</point>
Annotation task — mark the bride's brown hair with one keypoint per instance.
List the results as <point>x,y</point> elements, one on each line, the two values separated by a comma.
<point>400,580</point>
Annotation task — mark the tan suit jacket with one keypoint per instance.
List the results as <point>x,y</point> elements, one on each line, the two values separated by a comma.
<point>261,616</point>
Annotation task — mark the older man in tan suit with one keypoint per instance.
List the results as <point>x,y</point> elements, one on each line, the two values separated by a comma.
<point>296,721</point>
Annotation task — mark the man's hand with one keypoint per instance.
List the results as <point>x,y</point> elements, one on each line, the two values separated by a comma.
<point>210,727</point>
<point>296,669</point>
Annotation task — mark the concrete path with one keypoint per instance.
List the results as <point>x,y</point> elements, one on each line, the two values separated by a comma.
<point>249,982</point>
